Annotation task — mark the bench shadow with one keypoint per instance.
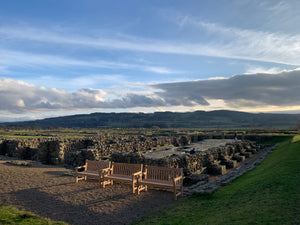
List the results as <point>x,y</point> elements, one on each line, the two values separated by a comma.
<point>60,173</point>
<point>49,206</point>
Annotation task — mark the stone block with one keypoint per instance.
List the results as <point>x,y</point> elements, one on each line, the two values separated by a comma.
<point>239,158</point>
<point>216,170</point>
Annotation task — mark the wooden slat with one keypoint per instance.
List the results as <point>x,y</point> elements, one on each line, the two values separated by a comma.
<point>162,177</point>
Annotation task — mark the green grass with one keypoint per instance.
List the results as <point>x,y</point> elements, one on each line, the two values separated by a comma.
<point>296,138</point>
<point>268,194</point>
<point>11,215</point>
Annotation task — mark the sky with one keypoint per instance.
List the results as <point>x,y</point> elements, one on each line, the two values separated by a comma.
<point>66,57</point>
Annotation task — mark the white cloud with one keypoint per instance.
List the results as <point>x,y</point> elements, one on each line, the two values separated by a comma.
<point>226,42</point>
<point>259,69</point>
<point>9,58</point>
<point>19,97</point>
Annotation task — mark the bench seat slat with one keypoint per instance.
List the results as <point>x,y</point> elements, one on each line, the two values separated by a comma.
<point>157,182</point>
<point>119,177</point>
<point>88,173</point>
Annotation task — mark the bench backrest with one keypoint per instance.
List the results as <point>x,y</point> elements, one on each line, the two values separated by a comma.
<point>162,173</point>
<point>126,169</point>
<point>92,165</point>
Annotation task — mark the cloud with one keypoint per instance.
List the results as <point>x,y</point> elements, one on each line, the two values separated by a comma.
<point>225,42</point>
<point>19,97</point>
<point>22,59</point>
<point>232,42</point>
<point>262,90</point>
<point>259,69</point>
<point>256,90</point>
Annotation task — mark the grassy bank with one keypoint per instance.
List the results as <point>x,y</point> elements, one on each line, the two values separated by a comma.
<point>269,194</point>
<point>11,215</point>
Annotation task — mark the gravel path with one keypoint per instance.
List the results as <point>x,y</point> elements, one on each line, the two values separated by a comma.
<point>51,192</point>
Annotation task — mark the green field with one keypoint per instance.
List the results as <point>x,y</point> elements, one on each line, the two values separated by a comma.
<point>269,194</point>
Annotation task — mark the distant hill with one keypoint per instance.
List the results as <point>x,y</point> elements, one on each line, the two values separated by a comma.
<point>197,119</point>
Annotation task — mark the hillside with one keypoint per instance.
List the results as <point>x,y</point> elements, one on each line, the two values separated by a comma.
<point>197,119</point>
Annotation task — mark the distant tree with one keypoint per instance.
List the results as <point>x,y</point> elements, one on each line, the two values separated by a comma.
<point>298,124</point>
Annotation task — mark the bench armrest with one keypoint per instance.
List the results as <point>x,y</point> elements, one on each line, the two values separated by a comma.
<point>105,171</point>
<point>80,167</point>
<point>139,173</point>
<point>177,178</point>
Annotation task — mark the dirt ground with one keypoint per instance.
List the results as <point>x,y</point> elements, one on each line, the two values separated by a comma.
<point>51,192</point>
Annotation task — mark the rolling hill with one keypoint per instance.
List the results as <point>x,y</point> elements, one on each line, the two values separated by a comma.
<point>198,119</point>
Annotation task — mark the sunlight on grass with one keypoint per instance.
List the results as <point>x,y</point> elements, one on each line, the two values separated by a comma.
<point>296,138</point>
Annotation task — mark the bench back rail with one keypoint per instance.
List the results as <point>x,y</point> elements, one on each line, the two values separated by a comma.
<point>162,177</point>
<point>96,165</point>
<point>123,172</point>
<point>126,169</point>
<point>162,173</point>
<point>91,169</point>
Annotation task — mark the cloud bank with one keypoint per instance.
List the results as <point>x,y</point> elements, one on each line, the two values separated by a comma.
<point>281,89</point>
<point>239,91</point>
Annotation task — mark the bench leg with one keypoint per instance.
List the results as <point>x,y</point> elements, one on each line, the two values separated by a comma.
<point>105,182</point>
<point>78,178</point>
<point>133,186</point>
<point>174,190</point>
<point>181,189</point>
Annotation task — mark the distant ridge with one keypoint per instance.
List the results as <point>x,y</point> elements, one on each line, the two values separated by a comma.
<point>197,119</point>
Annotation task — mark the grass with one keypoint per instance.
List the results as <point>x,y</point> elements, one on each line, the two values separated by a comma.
<point>296,138</point>
<point>269,194</point>
<point>11,215</point>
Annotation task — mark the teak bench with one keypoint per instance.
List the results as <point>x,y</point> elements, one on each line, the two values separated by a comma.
<point>91,169</point>
<point>162,177</point>
<point>123,172</point>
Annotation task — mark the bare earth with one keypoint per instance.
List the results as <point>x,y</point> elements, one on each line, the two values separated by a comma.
<point>49,192</point>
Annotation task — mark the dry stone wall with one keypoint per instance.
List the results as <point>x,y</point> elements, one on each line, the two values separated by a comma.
<point>213,161</point>
<point>75,151</point>
<point>128,148</point>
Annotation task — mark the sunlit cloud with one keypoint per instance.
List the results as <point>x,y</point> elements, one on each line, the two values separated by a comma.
<point>257,91</point>
<point>259,69</point>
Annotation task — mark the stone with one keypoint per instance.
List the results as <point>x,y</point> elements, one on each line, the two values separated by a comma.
<point>216,170</point>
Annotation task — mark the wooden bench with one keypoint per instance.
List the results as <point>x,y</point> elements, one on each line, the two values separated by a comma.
<point>123,172</point>
<point>162,177</point>
<point>92,169</point>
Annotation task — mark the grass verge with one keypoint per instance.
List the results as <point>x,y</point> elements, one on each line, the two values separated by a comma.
<point>268,194</point>
<point>296,138</point>
<point>11,215</point>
